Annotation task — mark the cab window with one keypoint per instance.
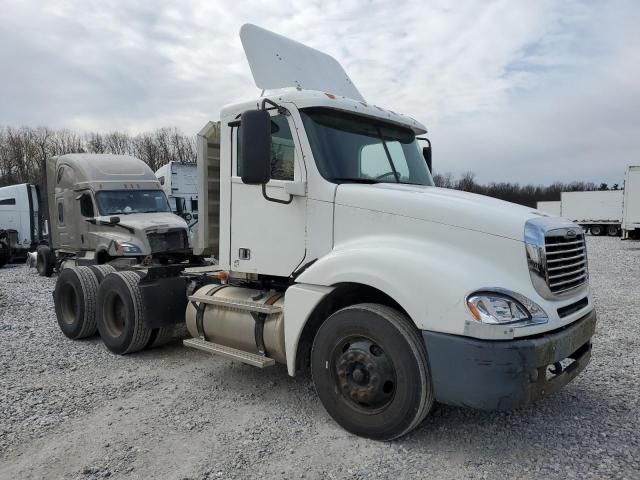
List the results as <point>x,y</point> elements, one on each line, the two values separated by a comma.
<point>86,206</point>
<point>60,213</point>
<point>282,149</point>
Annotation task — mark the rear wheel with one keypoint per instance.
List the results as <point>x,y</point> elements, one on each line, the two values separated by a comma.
<point>45,261</point>
<point>75,302</point>
<point>121,313</point>
<point>160,336</point>
<point>612,230</point>
<point>596,230</point>
<point>101,271</point>
<point>371,372</point>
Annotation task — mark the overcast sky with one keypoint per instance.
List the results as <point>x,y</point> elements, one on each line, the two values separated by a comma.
<point>528,91</point>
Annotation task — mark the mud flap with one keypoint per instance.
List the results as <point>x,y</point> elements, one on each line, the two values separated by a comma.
<point>164,293</point>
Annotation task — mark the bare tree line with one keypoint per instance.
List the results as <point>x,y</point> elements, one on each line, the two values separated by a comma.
<point>25,150</point>
<point>527,195</point>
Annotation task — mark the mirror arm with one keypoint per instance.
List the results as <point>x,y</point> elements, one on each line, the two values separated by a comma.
<point>281,110</point>
<point>276,200</point>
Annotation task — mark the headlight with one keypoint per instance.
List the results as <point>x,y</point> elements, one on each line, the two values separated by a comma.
<point>127,248</point>
<point>496,307</point>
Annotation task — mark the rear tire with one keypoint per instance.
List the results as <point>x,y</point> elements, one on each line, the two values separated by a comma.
<point>370,370</point>
<point>75,302</point>
<point>596,230</point>
<point>160,336</point>
<point>45,261</point>
<point>613,230</point>
<point>101,271</point>
<point>121,313</point>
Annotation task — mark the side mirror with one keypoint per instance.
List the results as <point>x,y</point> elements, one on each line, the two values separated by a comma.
<point>426,153</point>
<point>254,152</point>
<point>114,220</point>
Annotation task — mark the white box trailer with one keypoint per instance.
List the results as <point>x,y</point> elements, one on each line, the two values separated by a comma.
<point>338,254</point>
<point>180,183</point>
<point>20,213</point>
<point>550,207</point>
<point>598,211</point>
<point>631,204</point>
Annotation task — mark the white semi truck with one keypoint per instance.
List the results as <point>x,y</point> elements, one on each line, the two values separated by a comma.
<point>551,207</point>
<point>631,205</point>
<point>598,211</point>
<point>180,184</point>
<point>337,253</point>
<point>20,221</point>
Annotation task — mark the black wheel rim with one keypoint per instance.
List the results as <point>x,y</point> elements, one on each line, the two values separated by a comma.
<point>69,304</point>
<point>364,375</point>
<point>114,314</point>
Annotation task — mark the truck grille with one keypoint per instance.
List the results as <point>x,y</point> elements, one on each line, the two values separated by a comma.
<point>566,261</point>
<point>168,241</point>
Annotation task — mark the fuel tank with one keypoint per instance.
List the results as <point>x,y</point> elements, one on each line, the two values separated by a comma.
<point>235,328</point>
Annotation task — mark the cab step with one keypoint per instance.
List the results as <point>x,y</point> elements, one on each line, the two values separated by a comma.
<point>232,353</point>
<point>237,304</point>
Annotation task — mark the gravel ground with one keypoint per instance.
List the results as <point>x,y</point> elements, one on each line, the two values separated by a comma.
<point>73,410</point>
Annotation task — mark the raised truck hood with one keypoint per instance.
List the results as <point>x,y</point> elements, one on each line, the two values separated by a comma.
<point>440,205</point>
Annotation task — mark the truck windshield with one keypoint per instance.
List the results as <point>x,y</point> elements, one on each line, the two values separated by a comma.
<point>112,202</point>
<point>354,148</point>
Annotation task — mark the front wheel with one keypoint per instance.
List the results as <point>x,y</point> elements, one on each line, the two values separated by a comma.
<point>45,261</point>
<point>371,372</point>
<point>612,231</point>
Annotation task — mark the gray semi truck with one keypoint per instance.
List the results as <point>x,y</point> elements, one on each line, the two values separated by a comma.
<point>108,210</point>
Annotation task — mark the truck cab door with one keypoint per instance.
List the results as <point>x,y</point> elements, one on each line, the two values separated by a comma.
<point>268,237</point>
<point>87,210</point>
<point>65,210</point>
<point>60,221</point>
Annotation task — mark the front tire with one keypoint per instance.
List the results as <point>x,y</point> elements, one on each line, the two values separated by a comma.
<point>45,261</point>
<point>371,372</point>
<point>74,297</point>
<point>121,313</point>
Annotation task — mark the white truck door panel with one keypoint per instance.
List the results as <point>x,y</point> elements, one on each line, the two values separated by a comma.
<point>269,237</point>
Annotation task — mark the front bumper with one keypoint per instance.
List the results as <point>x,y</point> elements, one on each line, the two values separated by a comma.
<point>499,374</point>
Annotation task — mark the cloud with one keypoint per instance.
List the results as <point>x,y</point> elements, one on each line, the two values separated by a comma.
<point>527,91</point>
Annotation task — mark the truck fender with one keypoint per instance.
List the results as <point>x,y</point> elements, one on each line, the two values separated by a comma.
<point>439,276</point>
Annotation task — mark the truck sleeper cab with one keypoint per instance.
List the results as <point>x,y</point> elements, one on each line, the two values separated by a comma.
<point>105,209</point>
<point>336,253</point>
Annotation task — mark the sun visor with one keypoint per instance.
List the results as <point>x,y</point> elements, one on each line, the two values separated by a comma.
<point>279,62</point>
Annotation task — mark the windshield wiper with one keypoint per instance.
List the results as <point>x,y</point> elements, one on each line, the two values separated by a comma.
<point>356,180</point>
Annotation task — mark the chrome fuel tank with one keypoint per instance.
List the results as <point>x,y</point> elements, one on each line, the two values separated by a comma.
<point>234,327</point>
